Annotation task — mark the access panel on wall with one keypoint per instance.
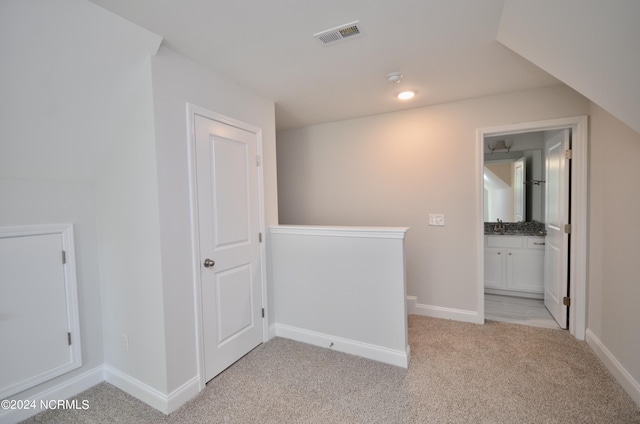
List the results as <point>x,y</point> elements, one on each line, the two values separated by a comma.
<point>39,329</point>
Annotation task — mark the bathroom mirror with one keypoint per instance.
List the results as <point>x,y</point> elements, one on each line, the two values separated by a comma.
<point>504,190</point>
<point>513,187</point>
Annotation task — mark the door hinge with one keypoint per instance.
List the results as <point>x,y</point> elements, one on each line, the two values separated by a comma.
<point>69,338</point>
<point>566,301</point>
<point>260,237</point>
<point>64,257</point>
<point>567,228</point>
<point>568,154</point>
<point>258,160</point>
<point>262,312</point>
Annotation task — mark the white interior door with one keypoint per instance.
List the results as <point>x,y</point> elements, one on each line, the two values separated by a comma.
<point>519,198</point>
<point>557,215</point>
<point>38,307</point>
<point>228,217</point>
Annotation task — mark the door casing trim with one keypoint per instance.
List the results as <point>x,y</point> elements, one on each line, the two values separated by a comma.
<point>579,212</point>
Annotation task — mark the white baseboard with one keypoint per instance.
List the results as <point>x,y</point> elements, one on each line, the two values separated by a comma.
<point>147,394</point>
<point>137,389</point>
<point>516,293</point>
<point>622,376</point>
<point>81,382</point>
<point>272,331</point>
<point>415,308</point>
<point>61,391</point>
<point>183,394</point>
<point>353,347</point>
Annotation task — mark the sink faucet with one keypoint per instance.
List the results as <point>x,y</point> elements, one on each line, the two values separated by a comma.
<point>499,228</point>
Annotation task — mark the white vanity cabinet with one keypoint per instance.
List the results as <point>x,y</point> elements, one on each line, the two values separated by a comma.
<point>514,265</point>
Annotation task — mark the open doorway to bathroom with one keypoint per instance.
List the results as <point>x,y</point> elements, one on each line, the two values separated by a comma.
<point>515,212</point>
<point>514,253</point>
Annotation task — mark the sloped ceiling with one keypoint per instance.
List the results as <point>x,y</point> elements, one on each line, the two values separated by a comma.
<point>446,49</point>
<point>68,70</point>
<point>590,45</point>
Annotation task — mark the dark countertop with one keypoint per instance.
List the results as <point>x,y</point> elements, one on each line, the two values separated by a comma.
<point>534,228</point>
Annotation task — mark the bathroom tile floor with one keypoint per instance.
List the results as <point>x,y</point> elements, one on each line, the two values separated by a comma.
<point>518,310</point>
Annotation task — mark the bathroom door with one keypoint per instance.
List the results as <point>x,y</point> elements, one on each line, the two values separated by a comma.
<point>556,259</point>
<point>229,229</point>
<point>519,197</point>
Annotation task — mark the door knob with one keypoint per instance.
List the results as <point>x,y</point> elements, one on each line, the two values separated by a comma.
<point>208,263</point>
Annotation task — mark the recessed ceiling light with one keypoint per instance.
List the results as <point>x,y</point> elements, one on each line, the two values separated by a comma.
<point>406,95</point>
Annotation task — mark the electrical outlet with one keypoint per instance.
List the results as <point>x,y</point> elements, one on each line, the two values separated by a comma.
<point>125,343</point>
<point>436,219</point>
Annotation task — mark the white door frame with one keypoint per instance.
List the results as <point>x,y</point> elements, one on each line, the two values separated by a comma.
<point>579,190</point>
<point>195,231</point>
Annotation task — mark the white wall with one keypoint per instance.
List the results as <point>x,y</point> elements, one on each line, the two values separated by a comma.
<point>28,202</point>
<point>590,45</point>
<point>614,241</point>
<point>342,288</point>
<point>63,98</point>
<point>395,169</point>
<point>129,244</point>
<point>176,82</point>
<point>58,87</point>
<point>78,144</point>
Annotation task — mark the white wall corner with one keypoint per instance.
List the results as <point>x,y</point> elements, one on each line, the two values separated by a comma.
<point>183,394</point>
<point>137,389</point>
<point>272,331</point>
<point>416,308</point>
<point>64,390</point>
<point>601,65</point>
<point>147,394</point>
<point>352,347</point>
<point>412,302</point>
<point>622,376</point>
<point>149,39</point>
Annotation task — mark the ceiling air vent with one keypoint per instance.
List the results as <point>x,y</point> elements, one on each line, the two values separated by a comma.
<point>339,33</point>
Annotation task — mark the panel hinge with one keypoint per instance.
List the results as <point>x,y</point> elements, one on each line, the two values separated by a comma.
<point>64,257</point>
<point>260,237</point>
<point>568,154</point>
<point>262,312</point>
<point>567,228</point>
<point>69,338</point>
<point>258,160</point>
<point>566,301</point>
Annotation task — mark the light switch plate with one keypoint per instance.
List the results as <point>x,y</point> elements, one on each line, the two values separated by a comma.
<point>436,219</point>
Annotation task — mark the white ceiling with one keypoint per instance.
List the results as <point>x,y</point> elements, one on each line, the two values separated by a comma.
<point>446,49</point>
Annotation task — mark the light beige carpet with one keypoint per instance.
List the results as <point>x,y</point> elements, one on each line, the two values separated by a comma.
<point>459,373</point>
